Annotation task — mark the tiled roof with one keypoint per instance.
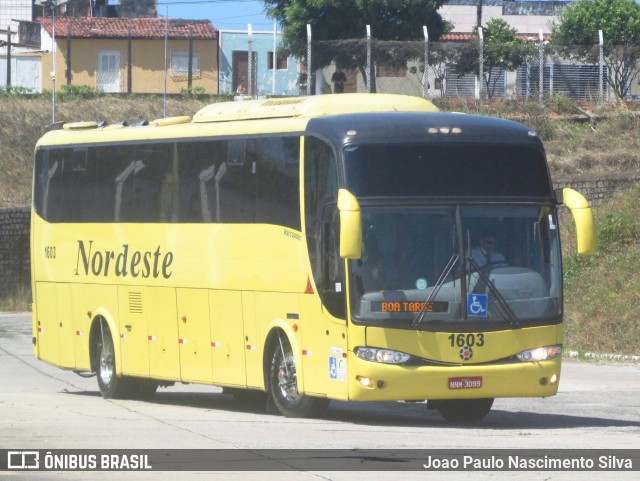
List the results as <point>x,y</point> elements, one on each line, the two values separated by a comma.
<point>141,28</point>
<point>456,37</point>
<point>464,37</point>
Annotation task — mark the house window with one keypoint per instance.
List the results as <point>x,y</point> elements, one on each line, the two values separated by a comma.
<point>282,62</point>
<point>180,63</point>
<point>385,71</point>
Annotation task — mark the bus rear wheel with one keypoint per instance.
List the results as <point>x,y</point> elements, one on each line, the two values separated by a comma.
<point>283,385</point>
<point>464,411</point>
<point>110,384</point>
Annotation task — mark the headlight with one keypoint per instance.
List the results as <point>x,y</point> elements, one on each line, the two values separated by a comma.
<point>540,354</point>
<point>385,356</point>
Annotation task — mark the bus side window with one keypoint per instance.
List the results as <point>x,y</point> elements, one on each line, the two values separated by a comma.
<point>236,180</point>
<point>49,189</point>
<point>278,199</point>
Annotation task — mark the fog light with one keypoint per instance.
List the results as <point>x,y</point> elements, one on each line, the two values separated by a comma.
<point>364,381</point>
<point>554,379</point>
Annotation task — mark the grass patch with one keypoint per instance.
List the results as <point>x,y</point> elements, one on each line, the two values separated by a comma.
<point>602,299</point>
<point>18,301</point>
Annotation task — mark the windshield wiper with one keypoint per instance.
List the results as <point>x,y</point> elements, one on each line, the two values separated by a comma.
<point>508,313</point>
<point>436,288</point>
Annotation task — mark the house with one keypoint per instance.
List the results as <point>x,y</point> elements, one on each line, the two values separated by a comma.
<point>11,11</point>
<point>98,8</point>
<point>22,59</point>
<point>527,17</point>
<point>129,55</point>
<point>272,74</point>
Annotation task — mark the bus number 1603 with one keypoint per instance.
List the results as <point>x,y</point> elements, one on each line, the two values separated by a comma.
<point>462,340</point>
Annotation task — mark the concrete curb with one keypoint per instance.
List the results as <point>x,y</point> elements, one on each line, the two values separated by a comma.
<point>602,357</point>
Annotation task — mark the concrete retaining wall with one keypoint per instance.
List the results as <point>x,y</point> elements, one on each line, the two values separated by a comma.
<point>14,250</point>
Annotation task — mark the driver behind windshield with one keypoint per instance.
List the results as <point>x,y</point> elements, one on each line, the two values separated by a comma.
<point>485,253</point>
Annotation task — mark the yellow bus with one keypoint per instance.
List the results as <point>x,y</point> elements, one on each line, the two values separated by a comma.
<point>302,250</point>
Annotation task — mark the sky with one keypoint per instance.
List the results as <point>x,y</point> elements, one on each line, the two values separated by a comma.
<point>223,14</point>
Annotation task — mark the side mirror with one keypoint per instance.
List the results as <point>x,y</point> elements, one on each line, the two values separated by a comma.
<point>350,225</point>
<point>583,217</point>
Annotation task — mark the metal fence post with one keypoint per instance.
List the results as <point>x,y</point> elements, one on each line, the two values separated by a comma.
<point>425,80</point>
<point>541,69</point>
<point>310,83</point>
<point>481,64</point>
<point>369,72</point>
<point>67,71</point>
<point>190,61</point>
<point>601,68</point>
<point>8,86</point>
<point>250,62</point>
<point>129,61</point>
<point>274,60</point>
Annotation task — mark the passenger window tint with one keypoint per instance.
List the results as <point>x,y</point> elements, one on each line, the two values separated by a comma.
<point>48,183</point>
<point>278,199</point>
<point>237,180</point>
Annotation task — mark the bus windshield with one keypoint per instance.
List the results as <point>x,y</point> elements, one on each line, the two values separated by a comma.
<point>436,264</point>
<point>454,231</point>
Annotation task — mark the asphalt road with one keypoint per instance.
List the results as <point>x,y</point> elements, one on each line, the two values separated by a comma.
<point>43,407</point>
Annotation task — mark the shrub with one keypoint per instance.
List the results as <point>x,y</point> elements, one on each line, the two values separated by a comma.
<point>75,91</point>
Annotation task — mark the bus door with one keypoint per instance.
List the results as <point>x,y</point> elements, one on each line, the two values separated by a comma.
<point>324,332</point>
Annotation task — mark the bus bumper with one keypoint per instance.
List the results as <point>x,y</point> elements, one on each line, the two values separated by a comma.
<point>372,381</point>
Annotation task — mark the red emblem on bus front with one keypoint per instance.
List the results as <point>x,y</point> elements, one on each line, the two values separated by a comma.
<point>466,353</point>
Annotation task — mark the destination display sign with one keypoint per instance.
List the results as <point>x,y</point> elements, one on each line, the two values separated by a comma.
<point>409,306</point>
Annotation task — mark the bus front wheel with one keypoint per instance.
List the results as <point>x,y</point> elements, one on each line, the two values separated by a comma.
<point>463,411</point>
<point>283,385</point>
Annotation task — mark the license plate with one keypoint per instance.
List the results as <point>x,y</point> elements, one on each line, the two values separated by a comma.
<point>465,382</point>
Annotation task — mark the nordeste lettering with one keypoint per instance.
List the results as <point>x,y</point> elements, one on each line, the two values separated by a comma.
<point>122,263</point>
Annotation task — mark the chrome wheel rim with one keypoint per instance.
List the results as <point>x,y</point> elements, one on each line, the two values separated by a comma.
<point>106,362</point>
<point>287,380</point>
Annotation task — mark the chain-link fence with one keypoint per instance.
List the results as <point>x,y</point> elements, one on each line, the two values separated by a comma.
<point>532,68</point>
<point>524,70</point>
<point>250,64</point>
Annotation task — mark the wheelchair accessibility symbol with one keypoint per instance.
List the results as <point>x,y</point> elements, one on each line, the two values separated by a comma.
<point>477,305</point>
<point>333,368</point>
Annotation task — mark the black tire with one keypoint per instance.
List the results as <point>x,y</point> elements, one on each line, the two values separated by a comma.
<point>464,411</point>
<point>110,384</point>
<point>283,387</point>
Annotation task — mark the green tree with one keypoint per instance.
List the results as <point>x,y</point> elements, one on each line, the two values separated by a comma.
<point>576,36</point>
<point>335,23</point>
<point>503,52</point>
